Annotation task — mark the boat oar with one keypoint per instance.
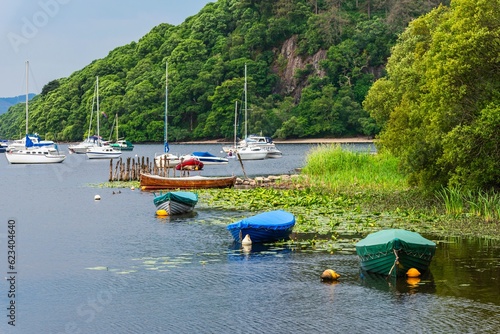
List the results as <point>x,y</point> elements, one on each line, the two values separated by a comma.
<point>241,163</point>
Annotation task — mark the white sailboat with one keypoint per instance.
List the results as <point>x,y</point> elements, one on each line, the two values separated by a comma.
<point>101,151</point>
<point>120,144</point>
<point>90,141</point>
<point>244,150</point>
<point>32,150</point>
<point>166,160</point>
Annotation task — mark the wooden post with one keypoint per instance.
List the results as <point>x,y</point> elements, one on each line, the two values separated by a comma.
<point>116,168</point>
<point>241,163</point>
<point>110,170</point>
<point>128,172</point>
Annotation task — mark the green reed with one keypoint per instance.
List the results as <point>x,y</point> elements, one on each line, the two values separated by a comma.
<point>453,200</point>
<point>335,168</point>
<point>480,203</point>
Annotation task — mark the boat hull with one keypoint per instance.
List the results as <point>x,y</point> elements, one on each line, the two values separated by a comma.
<point>208,158</point>
<point>252,155</point>
<point>98,155</point>
<point>176,202</point>
<point>394,252</point>
<point>167,160</point>
<point>265,227</point>
<point>34,157</point>
<point>103,152</point>
<point>155,182</point>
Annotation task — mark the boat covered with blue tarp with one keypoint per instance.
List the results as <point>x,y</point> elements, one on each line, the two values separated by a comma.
<point>264,227</point>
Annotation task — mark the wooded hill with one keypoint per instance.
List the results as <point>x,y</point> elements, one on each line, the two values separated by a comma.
<point>310,64</point>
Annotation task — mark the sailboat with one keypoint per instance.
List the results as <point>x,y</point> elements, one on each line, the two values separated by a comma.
<point>34,150</point>
<point>166,160</point>
<point>90,141</point>
<point>101,151</point>
<point>121,144</point>
<point>244,150</point>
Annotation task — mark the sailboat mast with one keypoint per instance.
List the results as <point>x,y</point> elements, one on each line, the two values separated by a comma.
<point>97,99</point>
<point>27,71</point>
<point>235,121</point>
<point>165,129</point>
<point>246,110</point>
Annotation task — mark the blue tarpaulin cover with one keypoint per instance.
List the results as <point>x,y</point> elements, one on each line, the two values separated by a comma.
<point>203,154</point>
<point>273,220</point>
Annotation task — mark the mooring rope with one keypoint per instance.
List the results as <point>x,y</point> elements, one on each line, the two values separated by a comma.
<point>396,261</point>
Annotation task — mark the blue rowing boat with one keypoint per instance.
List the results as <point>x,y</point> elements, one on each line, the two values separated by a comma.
<point>264,227</point>
<point>176,202</point>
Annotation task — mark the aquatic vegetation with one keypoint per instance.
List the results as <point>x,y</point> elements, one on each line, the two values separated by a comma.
<point>480,203</point>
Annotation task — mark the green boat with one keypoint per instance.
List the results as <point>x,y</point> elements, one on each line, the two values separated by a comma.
<point>176,202</point>
<point>392,252</point>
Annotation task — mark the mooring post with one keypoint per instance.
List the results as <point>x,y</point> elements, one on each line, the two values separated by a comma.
<point>241,163</point>
<point>110,170</point>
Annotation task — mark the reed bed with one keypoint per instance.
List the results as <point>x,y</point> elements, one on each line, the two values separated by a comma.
<point>336,169</point>
<point>479,203</point>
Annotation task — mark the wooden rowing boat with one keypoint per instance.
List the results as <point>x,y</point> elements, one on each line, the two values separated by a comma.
<point>176,202</point>
<point>155,182</point>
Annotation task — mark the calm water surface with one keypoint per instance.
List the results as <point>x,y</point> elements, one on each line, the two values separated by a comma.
<point>112,266</point>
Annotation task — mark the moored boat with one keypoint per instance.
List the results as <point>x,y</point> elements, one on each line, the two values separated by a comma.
<point>251,153</point>
<point>190,164</point>
<point>176,202</point>
<point>393,252</point>
<point>3,145</point>
<point>35,155</point>
<point>264,227</point>
<point>207,158</point>
<point>82,147</point>
<point>122,145</point>
<point>155,182</point>
<point>167,160</point>
<point>102,152</point>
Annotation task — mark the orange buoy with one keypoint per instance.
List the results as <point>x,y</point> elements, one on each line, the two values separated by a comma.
<point>412,272</point>
<point>161,213</point>
<point>329,275</point>
<point>413,281</point>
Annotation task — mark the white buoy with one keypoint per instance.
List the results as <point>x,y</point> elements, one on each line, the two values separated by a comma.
<point>132,188</point>
<point>246,241</point>
<point>97,197</point>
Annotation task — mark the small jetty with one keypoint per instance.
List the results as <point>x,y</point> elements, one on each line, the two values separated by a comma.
<point>130,169</point>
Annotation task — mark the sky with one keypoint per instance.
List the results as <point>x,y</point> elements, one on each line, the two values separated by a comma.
<point>59,37</point>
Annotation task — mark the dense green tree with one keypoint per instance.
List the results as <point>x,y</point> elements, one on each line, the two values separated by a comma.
<point>439,104</point>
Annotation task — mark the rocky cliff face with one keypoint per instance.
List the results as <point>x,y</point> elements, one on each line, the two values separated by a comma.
<point>286,66</point>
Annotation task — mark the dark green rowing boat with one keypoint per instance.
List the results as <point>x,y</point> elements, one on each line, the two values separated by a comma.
<point>392,252</point>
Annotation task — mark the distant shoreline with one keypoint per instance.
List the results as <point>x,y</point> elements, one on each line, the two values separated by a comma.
<point>352,140</point>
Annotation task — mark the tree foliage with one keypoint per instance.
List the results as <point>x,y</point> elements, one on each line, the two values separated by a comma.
<point>439,105</point>
<point>207,55</point>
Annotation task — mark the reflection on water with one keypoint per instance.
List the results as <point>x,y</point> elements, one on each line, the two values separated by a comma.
<point>112,266</point>
<point>402,285</point>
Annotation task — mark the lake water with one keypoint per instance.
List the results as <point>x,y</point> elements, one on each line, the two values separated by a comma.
<point>112,266</point>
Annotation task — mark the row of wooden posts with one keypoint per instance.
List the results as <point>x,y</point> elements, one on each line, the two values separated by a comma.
<point>131,169</point>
